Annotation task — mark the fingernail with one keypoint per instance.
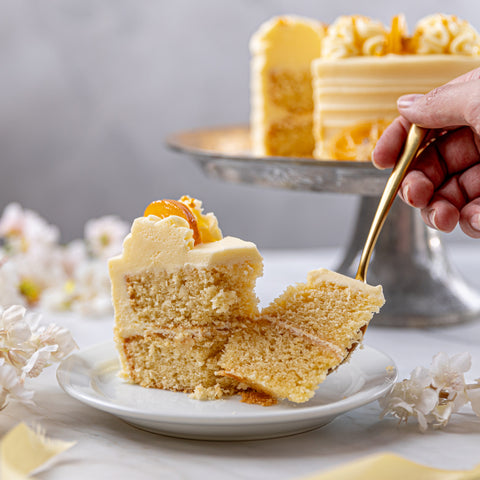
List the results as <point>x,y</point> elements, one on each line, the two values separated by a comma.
<point>475,222</point>
<point>406,101</point>
<point>406,196</point>
<point>431,219</point>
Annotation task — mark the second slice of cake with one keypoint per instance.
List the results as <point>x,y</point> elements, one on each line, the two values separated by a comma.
<point>302,335</point>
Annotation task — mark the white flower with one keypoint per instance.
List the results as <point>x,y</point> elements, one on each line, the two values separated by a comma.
<point>29,346</point>
<point>58,337</point>
<point>448,378</point>
<point>88,292</point>
<point>412,397</point>
<point>24,228</point>
<point>26,348</point>
<point>12,386</point>
<point>39,360</point>
<point>74,255</point>
<point>105,236</point>
<point>93,289</point>
<point>434,395</point>
<point>9,282</point>
<point>35,270</point>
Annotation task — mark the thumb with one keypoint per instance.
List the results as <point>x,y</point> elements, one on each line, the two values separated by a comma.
<point>451,105</point>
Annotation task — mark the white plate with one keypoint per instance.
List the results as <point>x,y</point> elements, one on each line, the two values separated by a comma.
<point>91,376</point>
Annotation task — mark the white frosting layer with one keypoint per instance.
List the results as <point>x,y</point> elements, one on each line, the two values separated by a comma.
<point>167,244</point>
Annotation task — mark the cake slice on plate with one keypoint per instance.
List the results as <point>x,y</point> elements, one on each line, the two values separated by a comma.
<point>179,290</point>
<point>187,317</point>
<point>302,336</point>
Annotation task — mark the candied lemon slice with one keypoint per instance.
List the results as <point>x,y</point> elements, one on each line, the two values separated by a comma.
<point>397,37</point>
<point>167,207</point>
<point>358,141</point>
<point>207,223</point>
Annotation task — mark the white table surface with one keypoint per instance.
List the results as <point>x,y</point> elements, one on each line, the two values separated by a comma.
<point>109,448</point>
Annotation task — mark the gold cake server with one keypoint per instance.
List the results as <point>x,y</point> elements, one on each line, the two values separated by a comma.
<point>415,137</point>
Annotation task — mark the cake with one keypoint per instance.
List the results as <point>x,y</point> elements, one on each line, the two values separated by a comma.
<point>187,316</point>
<point>281,85</point>
<point>178,289</point>
<point>363,71</point>
<point>362,68</point>
<point>302,336</point>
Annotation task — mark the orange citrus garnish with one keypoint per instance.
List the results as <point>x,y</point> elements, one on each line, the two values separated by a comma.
<point>397,36</point>
<point>358,141</point>
<point>167,207</point>
<point>208,233</point>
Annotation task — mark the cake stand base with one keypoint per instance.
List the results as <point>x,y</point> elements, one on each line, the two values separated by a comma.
<point>421,287</point>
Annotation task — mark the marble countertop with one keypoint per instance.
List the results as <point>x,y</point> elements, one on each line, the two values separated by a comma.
<point>107,447</point>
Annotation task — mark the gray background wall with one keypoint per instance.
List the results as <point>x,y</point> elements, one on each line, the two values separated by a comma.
<point>89,90</point>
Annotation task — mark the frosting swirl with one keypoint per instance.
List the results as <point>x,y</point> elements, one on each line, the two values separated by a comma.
<point>447,34</point>
<point>354,35</point>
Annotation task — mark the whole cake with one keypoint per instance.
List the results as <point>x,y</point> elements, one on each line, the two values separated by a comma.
<point>187,317</point>
<point>362,68</point>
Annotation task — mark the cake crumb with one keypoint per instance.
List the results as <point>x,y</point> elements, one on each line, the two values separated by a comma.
<point>253,397</point>
<point>210,393</point>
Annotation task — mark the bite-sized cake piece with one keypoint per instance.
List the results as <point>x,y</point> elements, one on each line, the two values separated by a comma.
<point>302,335</point>
<point>364,68</point>
<point>178,290</point>
<point>281,85</point>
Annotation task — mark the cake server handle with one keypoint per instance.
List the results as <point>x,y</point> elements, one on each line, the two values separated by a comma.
<point>415,137</point>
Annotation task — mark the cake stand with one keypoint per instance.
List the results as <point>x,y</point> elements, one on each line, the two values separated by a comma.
<point>421,287</point>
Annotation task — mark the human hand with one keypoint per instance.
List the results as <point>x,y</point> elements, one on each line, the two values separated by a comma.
<point>444,180</point>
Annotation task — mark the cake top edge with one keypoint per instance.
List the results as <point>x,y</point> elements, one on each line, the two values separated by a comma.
<point>358,35</point>
<point>321,275</point>
<point>165,236</point>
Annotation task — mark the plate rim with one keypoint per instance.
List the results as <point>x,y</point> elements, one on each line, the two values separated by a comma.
<point>300,412</point>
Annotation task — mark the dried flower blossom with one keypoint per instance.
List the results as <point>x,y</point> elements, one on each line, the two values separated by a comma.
<point>433,395</point>
<point>12,386</point>
<point>26,348</point>
<point>36,270</point>
<point>23,229</point>
<point>105,236</point>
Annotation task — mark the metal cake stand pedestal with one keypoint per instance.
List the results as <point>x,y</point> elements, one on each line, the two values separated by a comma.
<point>420,285</point>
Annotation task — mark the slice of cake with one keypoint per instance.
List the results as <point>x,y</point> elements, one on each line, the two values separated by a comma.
<point>179,289</point>
<point>364,69</point>
<point>281,85</point>
<point>187,318</point>
<point>302,335</point>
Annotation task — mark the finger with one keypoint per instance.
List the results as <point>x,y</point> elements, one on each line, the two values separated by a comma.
<point>472,75</point>
<point>458,149</point>
<point>451,105</point>
<point>469,183</point>
<point>417,189</point>
<point>390,144</point>
<point>455,155</point>
<point>470,219</point>
<point>441,214</point>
